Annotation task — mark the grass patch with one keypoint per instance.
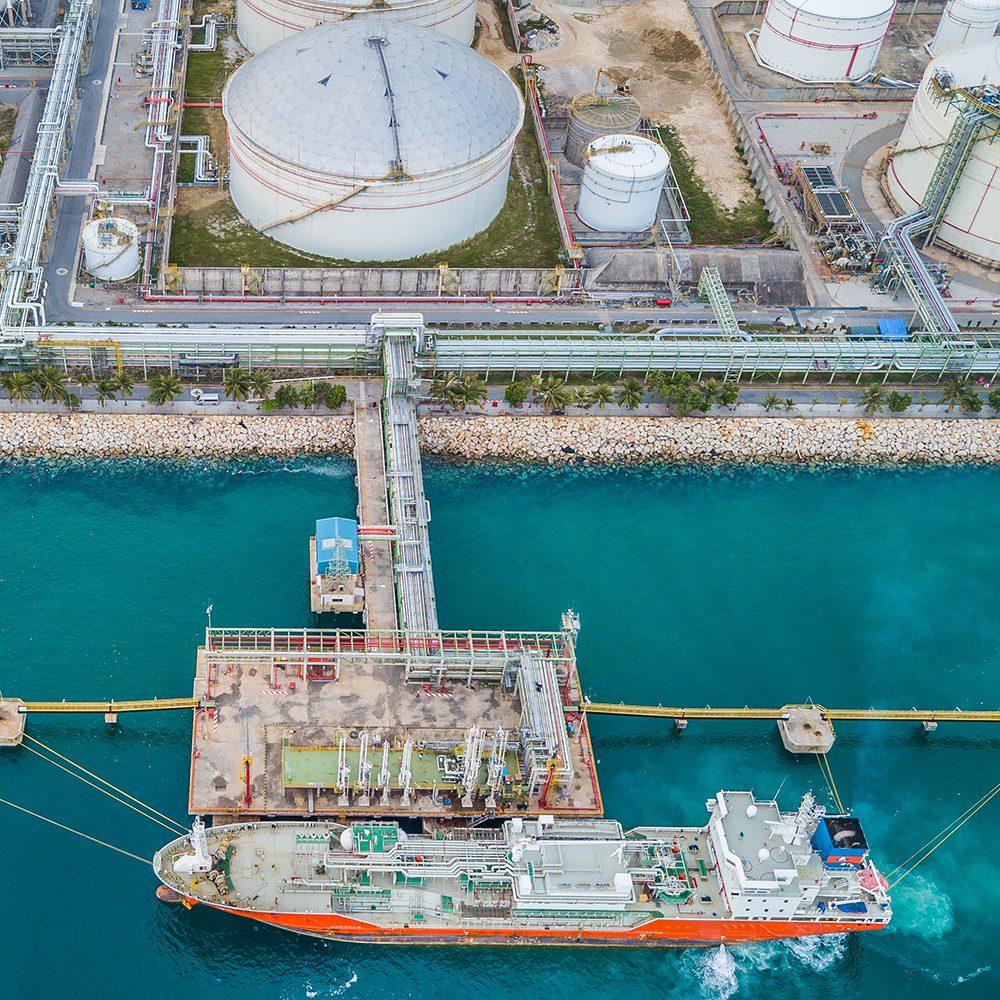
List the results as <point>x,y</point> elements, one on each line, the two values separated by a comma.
<point>524,234</point>
<point>207,72</point>
<point>8,116</point>
<point>711,223</point>
<point>505,28</point>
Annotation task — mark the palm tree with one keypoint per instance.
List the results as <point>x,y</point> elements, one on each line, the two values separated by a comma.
<point>953,392</point>
<point>84,378</point>
<point>164,389</point>
<point>125,385</point>
<point>603,394</point>
<point>472,390</point>
<point>872,400</point>
<point>236,383</point>
<point>51,384</point>
<point>771,401</point>
<point>19,387</point>
<point>552,392</point>
<point>631,394</point>
<point>790,404</point>
<point>710,393</point>
<point>261,383</point>
<point>586,396</point>
<point>447,389</point>
<point>105,389</point>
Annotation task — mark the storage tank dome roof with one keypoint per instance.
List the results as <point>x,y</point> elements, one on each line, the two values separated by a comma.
<point>970,65</point>
<point>844,10</point>
<point>319,99</point>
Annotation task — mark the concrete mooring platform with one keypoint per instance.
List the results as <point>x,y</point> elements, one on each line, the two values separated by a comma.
<point>11,723</point>
<point>805,729</point>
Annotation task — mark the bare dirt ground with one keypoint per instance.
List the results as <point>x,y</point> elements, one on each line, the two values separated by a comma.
<point>655,44</point>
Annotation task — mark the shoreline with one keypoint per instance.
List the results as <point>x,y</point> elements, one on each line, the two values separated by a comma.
<point>510,439</point>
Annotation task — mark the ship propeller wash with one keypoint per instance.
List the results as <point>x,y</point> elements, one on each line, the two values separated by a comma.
<point>752,873</point>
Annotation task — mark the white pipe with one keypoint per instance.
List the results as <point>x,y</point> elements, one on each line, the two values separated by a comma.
<point>208,22</point>
<point>204,163</point>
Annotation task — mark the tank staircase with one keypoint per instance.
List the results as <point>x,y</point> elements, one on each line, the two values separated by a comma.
<point>408,506</point>
<point>903,261</point>
<point>710,287</point>
<point>965,133</point>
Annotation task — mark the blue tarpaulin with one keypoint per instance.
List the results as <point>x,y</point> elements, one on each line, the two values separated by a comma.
<point>893,329</point>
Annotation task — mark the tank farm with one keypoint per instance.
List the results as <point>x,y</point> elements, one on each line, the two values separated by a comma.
<point>627,209</point>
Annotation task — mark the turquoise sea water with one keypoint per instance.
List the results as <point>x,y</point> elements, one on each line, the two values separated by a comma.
<point>694,587</point>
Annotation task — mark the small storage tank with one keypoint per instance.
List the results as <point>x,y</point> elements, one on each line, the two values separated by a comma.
<point>260,23</point>
<point>370,142</point>
<point>823,41</point>
<point>622,180</point>
<point>111,248</point>
<point>592,115</point>
<point>964,22</point>
<point>962,78</point>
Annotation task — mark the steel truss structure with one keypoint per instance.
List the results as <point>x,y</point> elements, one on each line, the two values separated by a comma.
<point>434,655</point>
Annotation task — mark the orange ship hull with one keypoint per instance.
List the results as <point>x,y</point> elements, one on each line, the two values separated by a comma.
<point>677,932</point>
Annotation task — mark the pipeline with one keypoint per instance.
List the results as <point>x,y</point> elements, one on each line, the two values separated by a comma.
<point>204,163</point>
<point>208,22</point>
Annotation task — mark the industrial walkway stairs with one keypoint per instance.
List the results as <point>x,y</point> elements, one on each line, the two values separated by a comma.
<point>710,287</point>
<point>965,133</point>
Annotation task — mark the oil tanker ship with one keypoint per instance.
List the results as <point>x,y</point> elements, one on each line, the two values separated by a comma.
<point>752,873</point>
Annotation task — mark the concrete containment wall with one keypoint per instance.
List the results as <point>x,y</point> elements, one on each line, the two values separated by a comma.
<point>318,282</point>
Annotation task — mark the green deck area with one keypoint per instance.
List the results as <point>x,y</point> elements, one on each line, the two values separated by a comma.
<point>316,767</point>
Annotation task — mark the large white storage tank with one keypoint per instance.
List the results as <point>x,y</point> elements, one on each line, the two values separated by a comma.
<point>823,41</point>
<point>111,248</point>
<point>622,182</point>
<point>368,141</point>
<point>593,114</point>
<point>964,22</point>
<point>971,223</point>
<point>261,23</point>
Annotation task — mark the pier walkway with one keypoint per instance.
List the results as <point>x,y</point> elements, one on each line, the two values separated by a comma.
<point>780,714</point>
<point>409,508</point>
<point>373,506</point>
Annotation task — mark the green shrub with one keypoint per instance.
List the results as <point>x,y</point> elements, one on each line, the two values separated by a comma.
<point>516,392</point>
<point>898,402</point>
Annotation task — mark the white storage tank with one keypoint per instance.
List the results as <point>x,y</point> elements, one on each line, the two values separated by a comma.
<point>971,223</point>
<point>592,115</point>
<point>823,41</point>
<point>622,180</point>
<point>368,141</point>
<point>964,22</point>
<point>111,248</point>
<point>261,23</point>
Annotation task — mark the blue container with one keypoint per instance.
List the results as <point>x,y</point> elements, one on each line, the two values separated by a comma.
<point>335,534</point>
<point>840,842</point>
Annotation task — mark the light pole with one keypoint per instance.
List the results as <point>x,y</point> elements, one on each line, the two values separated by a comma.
<point>208,611</point>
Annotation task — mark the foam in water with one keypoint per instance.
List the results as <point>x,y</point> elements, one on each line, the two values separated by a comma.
<point>717,972</point>
<point>921,907</point>
<point>330,991</point>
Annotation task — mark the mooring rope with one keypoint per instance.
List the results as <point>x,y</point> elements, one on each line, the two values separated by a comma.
<point>79,833</point>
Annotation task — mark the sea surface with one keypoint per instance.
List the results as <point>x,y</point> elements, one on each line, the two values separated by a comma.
<point>721,587</point>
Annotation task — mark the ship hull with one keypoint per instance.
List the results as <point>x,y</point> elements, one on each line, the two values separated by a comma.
<point>664,933</point>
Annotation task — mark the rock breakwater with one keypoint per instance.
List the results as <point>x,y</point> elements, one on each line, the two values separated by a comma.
<point>113,435</point>
<point>632,440</point>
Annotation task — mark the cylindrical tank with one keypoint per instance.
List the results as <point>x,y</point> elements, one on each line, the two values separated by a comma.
<point>823,41</point>
<point>367,141</point>
<point>111,248</point>
<point>622,180</point>
<point>260,23</point>
<point>592,115</point>
<point>964,22</point>
<point>971,223</point>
